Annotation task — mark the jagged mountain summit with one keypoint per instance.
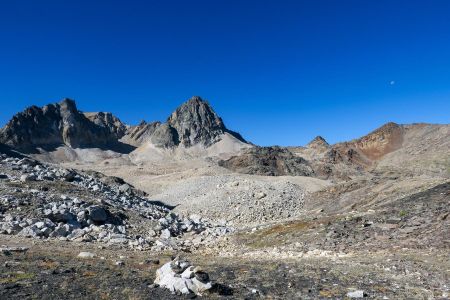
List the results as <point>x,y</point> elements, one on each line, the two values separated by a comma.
<point>196,122</point>
<point>193,123</point>
<point>60,124</point>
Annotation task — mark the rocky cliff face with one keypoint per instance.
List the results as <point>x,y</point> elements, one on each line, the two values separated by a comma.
<point>59,124</point>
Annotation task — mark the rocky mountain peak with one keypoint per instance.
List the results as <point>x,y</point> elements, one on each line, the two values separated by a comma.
<point>196,122</point>
<point>68,105</point>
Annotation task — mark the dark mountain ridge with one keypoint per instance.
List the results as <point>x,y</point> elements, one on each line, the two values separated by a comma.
<point>59,124</point>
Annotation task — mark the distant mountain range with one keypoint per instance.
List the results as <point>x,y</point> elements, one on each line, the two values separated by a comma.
<point>416,147</point>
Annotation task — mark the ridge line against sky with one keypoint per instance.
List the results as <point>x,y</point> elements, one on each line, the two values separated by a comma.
<point>277,72</point>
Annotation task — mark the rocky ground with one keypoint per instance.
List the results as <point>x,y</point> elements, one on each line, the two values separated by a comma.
<point>42,201</point>
<point>380,237</point>
<point>54,271</point>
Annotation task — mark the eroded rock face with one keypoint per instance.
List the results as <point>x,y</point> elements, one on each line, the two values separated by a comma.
<point>141,133</point>
<point>59,124</point>
<point>381,141</point>
<point>196,122</point>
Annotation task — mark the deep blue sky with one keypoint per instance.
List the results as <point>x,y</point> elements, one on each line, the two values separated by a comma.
<point>279,72</point>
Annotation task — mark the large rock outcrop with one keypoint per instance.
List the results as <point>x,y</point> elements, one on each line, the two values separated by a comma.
<point>271,161</point>
<point>60,124</point>
<point>196,122</point>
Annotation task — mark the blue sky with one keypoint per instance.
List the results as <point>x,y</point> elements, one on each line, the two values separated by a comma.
<point>279,72</point>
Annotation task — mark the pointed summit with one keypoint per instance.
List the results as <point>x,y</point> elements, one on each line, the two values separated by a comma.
<point>318,142</point>
<point>68,104</point>
<point>196,122</point>
<point>193,122</point>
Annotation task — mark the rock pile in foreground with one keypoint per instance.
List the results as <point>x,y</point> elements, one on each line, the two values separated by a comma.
<point>41,201</point>
<point>180,277</point>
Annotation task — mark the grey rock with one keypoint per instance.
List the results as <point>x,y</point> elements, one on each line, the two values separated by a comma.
<point>30,231</point>
<point>356,294</point>
<point>28,177</point>
<point>259,195</point>
<point>180,282</point>
<point>125,188</point>
<point>97,214</point>
<point>61,231</point>
<point>86,255</point>
<point>165,234</point>
<point>45,231</point>
<point>18,249</point>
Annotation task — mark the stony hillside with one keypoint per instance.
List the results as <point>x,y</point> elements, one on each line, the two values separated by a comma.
<point>421,148</point>
<point>46,202</point>
<point>425,150</point>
